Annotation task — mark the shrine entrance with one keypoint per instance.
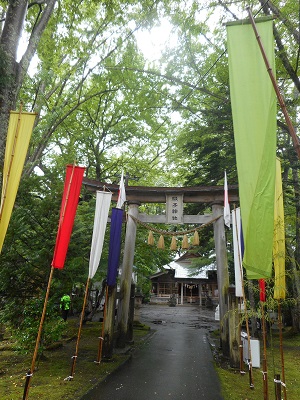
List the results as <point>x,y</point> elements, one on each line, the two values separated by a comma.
<point>174,198</point>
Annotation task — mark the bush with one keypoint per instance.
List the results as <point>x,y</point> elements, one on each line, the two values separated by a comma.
<point>25,333</point>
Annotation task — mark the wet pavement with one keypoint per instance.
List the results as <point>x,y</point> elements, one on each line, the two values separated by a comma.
<point>174,363</point>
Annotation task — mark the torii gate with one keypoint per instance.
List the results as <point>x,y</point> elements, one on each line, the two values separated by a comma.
<point>136,195</point>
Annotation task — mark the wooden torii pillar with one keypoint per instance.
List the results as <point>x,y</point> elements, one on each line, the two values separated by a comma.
<point>126,277</point>
<point>136,195</point>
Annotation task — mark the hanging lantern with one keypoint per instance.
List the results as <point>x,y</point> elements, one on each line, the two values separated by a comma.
<point>196,239</point>
<point>150,238</point>
<point>173,245</point>
<point>161,242</point>
<point>185,242</point>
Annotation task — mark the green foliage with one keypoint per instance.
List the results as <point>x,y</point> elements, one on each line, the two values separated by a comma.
<point>166,122</point>
<point>25,325</point>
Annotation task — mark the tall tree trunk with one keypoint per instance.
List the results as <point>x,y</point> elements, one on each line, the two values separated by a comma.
<point>12,73</point>
<point>9,41</point>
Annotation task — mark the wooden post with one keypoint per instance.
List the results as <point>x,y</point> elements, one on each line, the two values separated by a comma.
<point>265,364</point>
<point>101,338</point>
<point>242,371</point>
<point>109,324</point>
<point>234,332</point>
<point>38,339</point>
<point>223,275</point>
<point>281,350</point>
<point>129,338</point>
<point>126,277</point>
<point>74,358</point>
<point>277,382</point>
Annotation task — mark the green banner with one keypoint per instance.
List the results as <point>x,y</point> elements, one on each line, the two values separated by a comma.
<point>253,102</point>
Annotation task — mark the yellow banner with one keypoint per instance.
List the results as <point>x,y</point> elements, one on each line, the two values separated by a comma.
<point>279,238</point>
<point>18,136</point>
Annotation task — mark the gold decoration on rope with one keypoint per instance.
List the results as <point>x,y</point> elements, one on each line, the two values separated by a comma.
<point>162,233</point>
<point>196,240</point>
<point>173,245</point>
<point>185,242</point>
<point>151,238</point>
<point>161,243</point>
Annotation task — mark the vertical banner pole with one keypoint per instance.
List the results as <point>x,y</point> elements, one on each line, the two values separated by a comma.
<point>53,265</point>
<point>277,382</point>
<point>5,180</point>
<point>74,358</point>
<point>101,339</point>
<point>30,373</point>
<point>265,367</point>
<point>242,372</point>
<point>251,384</point>
<point>281,350</point>
<point>277,91</point>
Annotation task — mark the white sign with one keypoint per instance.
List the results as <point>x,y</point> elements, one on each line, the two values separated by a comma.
<point>174,208</point>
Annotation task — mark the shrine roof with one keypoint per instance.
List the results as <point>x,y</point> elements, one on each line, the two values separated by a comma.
<point>182,272</point>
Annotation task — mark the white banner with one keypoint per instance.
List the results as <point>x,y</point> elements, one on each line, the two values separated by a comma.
<point>103,200</point>
<point>238,270</point>
<point>226,203</point>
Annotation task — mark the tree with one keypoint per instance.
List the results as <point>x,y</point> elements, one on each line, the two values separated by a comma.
<point>101,103</point>
<point>207,151</point>
<point>13,72</point>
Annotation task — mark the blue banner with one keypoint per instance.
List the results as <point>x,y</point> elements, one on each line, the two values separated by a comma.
<point>114,246</point>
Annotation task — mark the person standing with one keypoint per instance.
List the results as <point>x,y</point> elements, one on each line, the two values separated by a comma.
<point>65,303</point>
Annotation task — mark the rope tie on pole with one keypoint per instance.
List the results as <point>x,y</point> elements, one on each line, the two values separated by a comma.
<point>68,378</point>
<point>279,381</point>
<point>265,373</point>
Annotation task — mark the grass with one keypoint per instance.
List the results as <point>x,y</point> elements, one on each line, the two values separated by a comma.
<point>55,365</point>
<point>237,387</point>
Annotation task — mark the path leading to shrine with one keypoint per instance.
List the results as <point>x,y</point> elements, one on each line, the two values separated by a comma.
<point>175,363</point>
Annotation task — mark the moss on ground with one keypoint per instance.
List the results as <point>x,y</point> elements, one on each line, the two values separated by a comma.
<point>236,386</point>
<point>48,381</point>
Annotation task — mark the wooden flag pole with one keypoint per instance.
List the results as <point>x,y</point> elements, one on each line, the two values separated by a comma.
<point>101,339</point>
<point>281,351</point>
<point>242,372</point>
<point>265,367</point>
<point>74,358</point>
<point>4,189</point>
<point>277,91</point>
<point>251,384</point>
<point>37,343</point>
<point>30,372</point>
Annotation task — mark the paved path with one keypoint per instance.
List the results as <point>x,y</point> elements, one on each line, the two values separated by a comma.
<point>175,363</point>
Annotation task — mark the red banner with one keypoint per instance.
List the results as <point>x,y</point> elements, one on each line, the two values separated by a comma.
<point>73,181</point>
<point>262,290</point>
